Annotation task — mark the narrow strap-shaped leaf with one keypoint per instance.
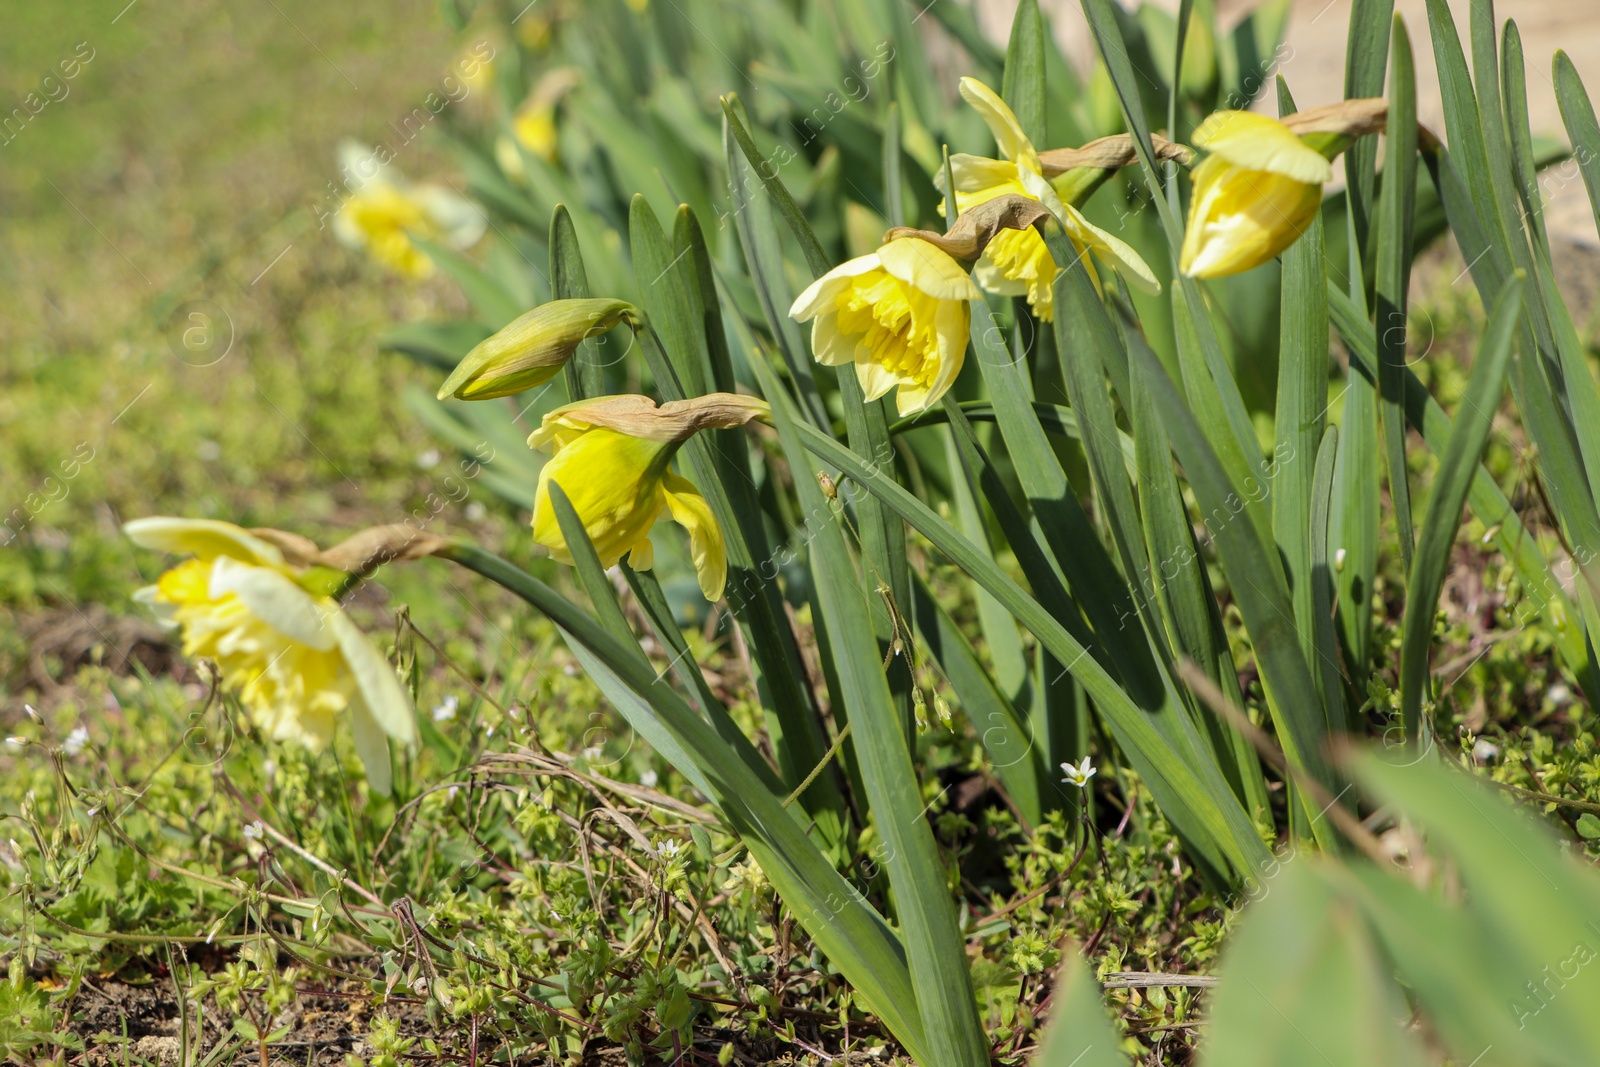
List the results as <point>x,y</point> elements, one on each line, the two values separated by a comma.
<point>767,171</point>
<point>671,312</point>
<point>1325,654</point>
<point>1013,753</point>
<point>894,212</point>
<point>1089,570</point>
<point>1256,579</point>
<point>1514,89</point>
<point>1396,211</point>
<point>1357,496</point>
<point>999,629</point>
<point>1195,795</point>
<point>495,301</point>
<point>1079,1033</point>
<point>1302,403</point>
<point>585,373</point>
<point>1577,113</point>
<point>1365,49</point>
<point>591,575</point>
<point>1457,464</point>
<point>1487,501</point>
<point>1023,87</point>
<point>922,901</point>
<point>758,236</point>
<point>689,241</point>
<point>1176,581</point>
<point>847,929</point>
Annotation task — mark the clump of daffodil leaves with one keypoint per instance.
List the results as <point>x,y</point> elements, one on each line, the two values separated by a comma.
<point>901,316</point>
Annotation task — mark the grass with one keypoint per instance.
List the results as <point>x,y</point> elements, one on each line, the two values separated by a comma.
<point>179,885</point>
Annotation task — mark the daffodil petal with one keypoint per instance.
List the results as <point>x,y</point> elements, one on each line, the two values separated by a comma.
<point>276,600</point>
<point>642,556</point>
<point>690,510</point>
<point>1002,122</point>
<point>1256,142</point>
<point>203,538</point>
<point>928,268</point>
<point>876,380</point>
<point>819,295</point>
<point>1113,250</point>
<point>372,746</point>
<point>376,680</point>
<point>831,347</point>
<point>460,222</point>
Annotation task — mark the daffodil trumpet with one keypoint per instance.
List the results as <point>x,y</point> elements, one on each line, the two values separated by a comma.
<point>533,348</point>
<point>612,459</point>
<point>1016,263</point>
<point>282,643</point>
<point>1260,184</point>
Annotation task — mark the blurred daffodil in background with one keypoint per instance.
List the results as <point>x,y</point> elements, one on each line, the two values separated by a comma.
<point>384,212</point>
<point>612,458</point>
<point>282,642</point>
<point>1016,262</point>
<point>534,125</point>
<point>900,314</point>
<point>1254,194</point>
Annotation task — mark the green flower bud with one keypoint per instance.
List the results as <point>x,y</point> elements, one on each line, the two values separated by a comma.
<point>534,347</point>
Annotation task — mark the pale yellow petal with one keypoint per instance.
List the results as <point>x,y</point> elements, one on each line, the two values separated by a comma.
<point>876,380</point>
<point>830,347</point>
<point>1002,122</point>
<point>642,556</point>
<point>204,538</point>
<point>376,680</point>
<point>276,600</point>
<point>372,746</point>
<point>928,268</point>
<point>1257,142</point>
<point>819,295</point>
<point>690,510</point>
<point>1113,250</point>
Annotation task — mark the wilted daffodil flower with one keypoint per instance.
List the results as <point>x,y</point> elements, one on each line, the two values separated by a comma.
<point>534,347</point>
<point>1254,195</point>
<point>612,459</point>
<point>900,314</point>
<point>282,642</point>
<point>384,212</point>
<point>1016,262</point>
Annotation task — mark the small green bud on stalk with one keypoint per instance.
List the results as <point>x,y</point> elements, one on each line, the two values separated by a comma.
<point>534,347</point>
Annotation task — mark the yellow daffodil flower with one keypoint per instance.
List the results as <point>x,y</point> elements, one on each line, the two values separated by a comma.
<point>1016,262</point>
<point>384,212</point>
<point>612,459</point>
<point>900,314</point>
<point>1254,195</point>
<point>284,646</point>
<point>533,127</point>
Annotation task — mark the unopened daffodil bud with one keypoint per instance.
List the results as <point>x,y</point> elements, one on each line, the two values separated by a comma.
<point>534,347</point>
<point>612,458</point>
<point>900,314</point>
<point>296,661</point>
<point>1254,195</point>
<point>1016,262</point>
<point>384,212</point>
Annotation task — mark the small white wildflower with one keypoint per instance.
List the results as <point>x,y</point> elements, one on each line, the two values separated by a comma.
<point>429,459</point>
<point>1560,695</point>
<point>1485,750</point>
<point>1338,560</point>
<point>452,791</point>
<point>16,742</point>
<point>1078,774</point>
<point>92,812</point>
<point>269,767</point>
<point>570,671</point>
<point>667,847</point>
<point>648,779</point>
<point>476,511</point>
<point>254,830</point>
<point>446,709</point>
<point>593,752</point>
<point>514,711</point>
<point>76,741</point>
<point>33,712</point>
<point>209,451</point>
